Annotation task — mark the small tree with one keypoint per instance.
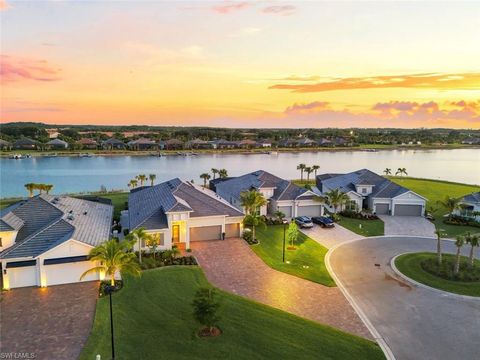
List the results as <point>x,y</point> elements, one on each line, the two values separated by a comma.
<point>292,233</point>
<point>205,309</point>
<point>279,215</point>
<point>459,242</point>
<point>152,242</point>
<point>205,177</point>
<point>152,178</point>
<point>223,173</point>
<point>473,241</point>
<point>214,172</point>
<point>387,171</point>
<point>439,233</point>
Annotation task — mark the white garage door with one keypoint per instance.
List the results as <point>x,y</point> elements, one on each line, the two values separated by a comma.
<point>232,230</point>
<point>408,210</point>
<point>22,276</point>
<point>66,273</point>
<point>287,210</point>
<point>206,233</point>
<point>311,210</point>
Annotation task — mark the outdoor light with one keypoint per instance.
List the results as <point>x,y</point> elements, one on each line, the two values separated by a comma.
<point>285,222</point>
<point>109,289</point>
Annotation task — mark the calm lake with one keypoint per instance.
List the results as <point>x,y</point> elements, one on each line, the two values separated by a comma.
<point>75,174</point>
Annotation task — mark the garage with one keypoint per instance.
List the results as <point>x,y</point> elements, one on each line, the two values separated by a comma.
<point>287,210</point>
<point>67,270</point>
<point>232,230</point>
<point>22,273</point>
<point>382,209</point>
<point>408,210</point>
<point>310,210</point>
<point>206,233</point>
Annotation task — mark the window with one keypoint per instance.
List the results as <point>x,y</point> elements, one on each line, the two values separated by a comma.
<point>351,205</point>
<point>364,190</point>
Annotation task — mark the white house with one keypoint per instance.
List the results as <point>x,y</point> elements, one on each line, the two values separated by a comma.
<point>45,240</point>
<point>469,206</point>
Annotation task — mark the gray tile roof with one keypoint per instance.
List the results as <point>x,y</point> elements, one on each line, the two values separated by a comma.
<point>472,198</point>
<point>13,221</point>
<point>4,226</point>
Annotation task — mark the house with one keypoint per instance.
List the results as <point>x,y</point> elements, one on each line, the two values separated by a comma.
<point>282,195</point>
<point>325,142</point>
<point>264,143</point>
<point>181,212</point>
<point>223,144</point>
<point>57,144</point>
<point>471,141</point>
<point>198,144</point>
<point>5,145</point>
<point>373,192</point>
<point>46,239</point>
<point>113,144</point>
<point>26,144</point>
<point>306,142</point>
<point>161,145</point>
<point>469,206</point>
<point>86,143</point>
<point>142,144</point>
<point>173,144</point>
<point>247,144</point>
<point>287,143</point>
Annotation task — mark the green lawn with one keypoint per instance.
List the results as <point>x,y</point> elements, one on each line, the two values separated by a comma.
<point>118,201</point>
<point>369,227</point>
<point>153,320</point>
<point>435,190</point>
<point>6,202</point>
<point>306,262</point>
<point>409,264</point>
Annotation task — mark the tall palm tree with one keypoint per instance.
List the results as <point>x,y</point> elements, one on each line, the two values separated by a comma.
<point>336,198</point>
<point>401,172</point>
<point>222,173</point>
<point>142,178</point>
<point>459,242</point>
<point>254,220</point>
<point>251,201</point>
<point>474,241</point>
<point>308,170</point>
<point>113,257</point>
<point>205,177</point>
<point>301,167</point>
<point>439,233</point>
<point>315,169</point>
<point>138,236</point>
<point>48,188</point>
<point>387,171</point>
<point>133,184</point>
<point>214,172</point>
<point>30,187</point>
<point>449,203</point>
<point>152,178</point>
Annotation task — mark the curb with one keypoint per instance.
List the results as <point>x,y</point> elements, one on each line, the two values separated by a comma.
<point>419,284</point>
<point>376,335</point>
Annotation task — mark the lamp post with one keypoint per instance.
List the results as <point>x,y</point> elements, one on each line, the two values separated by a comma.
<point>284,230</point>
<point>109,289</point>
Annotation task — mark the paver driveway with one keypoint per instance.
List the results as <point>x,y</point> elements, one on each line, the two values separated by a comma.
<point>408,225</point>
<point>415,322</point>
<point>331,237</point>
<point>232,266</point>
<point>52,323</point>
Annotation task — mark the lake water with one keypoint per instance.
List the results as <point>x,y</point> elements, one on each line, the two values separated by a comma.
<point>75,174</point>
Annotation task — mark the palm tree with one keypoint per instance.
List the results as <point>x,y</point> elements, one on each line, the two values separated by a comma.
<point>113,257</point>
<point>387,171</point>
<point>439,233</point>
<point>214,172</point>
<point>308,170</point>
<point>142,178</point>
<point>279,215</point>
<point>459,242</point>
<point>315,169</point>
<point>222,173</point>
<point>133,184</point>
<point>401,171</point>
<point>152,242</point>
<point>473,241</point>
<point>449,203</point>
<point>336,198</point>
<point>30,187</point>
<point>254,220</point>
<point>40,188</point>
<point>251,201</point>
<point>301,167</point>
<point>205,177</point>
<point>152,178</point>
<point>48,188</point>
<point>138,236</point>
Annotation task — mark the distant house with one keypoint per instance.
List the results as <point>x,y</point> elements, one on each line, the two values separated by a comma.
<point>198,144</point>
<point>223,144</point>
<point>173,144</point>
<point>325,142</point>
<point>57,144</point>
<point>340,142</point>
<point>5,145</point>
<point>142,144</point>
<point>247,144</point>
<point>471,141</point>
<point>46,240</point>
<point>469,206</point>
<point>113,144</point>
<point>282,195</point>
<point>306,142</point>
<point>161,145</point>
<point>287,143</point>
<point>264,143</point>
<point>86,143</point>
<point>373,192</point>
<point>26,144</point>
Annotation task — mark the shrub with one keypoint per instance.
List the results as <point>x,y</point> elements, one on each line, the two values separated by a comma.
<point>125,232</point>
<point>205,308</point>
<point>458,220</point>
<point>248,237</point>
<point>103,283</point>
<point>445,270</point>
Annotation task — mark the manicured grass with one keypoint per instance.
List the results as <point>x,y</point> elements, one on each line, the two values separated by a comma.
<point>118,201</point>
<point>7,202</point>
<point>306,261</point>
<point>369,227</point>
<point>153,320</point>
<point>435,190</point>
<point>409,264</point>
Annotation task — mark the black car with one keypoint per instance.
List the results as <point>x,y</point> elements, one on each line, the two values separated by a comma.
<point>323,221</point>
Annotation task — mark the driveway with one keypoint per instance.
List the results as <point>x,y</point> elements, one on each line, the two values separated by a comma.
<point>52,323</point>
<point>408,225</point>
<point>232,266</point>
<point>415,322</point>
<point>331,237</point>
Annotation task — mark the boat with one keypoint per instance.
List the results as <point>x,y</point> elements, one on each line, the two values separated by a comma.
<point>85,155</point>
<point>20,156</point>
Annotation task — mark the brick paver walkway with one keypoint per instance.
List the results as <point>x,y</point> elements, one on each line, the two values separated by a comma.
<point>232,266</point>
<point>52,323</point>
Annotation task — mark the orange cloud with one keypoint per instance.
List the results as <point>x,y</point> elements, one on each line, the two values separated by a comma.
<point>230,7</point>
<point>467,81</point>
<point>306,108</point>
<point>13,69</point>
<point>4,5</point>
<point>284,10</point>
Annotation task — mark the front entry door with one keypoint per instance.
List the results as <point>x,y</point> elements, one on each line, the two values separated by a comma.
<point>176,233</point>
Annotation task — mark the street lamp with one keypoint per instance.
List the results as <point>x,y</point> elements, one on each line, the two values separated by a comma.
<point>109,289</point>
<point>285,222</point>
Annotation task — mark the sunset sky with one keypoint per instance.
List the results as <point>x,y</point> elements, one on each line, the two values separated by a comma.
<point>241,64</point>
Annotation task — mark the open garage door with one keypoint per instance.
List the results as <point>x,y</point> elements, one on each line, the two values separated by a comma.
<point>232,230</point>
<point>206,233</point>
<point>381,209</point>
<point>67,270</point>
<point>287,210</point>
<point>408,210</point>
<point>310,210</point>
<point>22,274</point>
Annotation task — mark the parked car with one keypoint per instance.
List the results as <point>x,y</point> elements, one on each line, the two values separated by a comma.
<point>323,221</point>
<point>304,221</point>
